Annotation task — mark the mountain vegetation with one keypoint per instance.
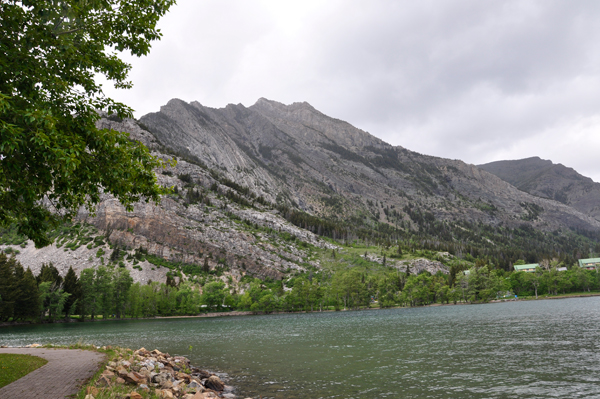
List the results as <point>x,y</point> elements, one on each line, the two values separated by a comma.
<point>110,292</point>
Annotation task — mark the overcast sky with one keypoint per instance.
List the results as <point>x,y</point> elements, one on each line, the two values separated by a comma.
<point>474,80</point>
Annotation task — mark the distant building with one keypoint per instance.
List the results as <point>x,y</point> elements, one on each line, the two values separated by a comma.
<point>530,268</point>
<point>590,263</point>
<point>561,269</point>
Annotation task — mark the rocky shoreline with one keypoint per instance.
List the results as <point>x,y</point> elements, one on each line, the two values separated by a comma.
<point>158,374</point>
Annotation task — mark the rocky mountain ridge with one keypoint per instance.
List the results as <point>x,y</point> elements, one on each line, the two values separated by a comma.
<point>545,179</point>
<point>327,167</point>
<point>255,189</point>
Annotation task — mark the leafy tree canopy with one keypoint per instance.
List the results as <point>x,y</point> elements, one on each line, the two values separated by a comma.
<point>53,159</point>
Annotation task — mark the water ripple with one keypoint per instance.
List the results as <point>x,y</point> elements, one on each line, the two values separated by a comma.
<point>541,349</point>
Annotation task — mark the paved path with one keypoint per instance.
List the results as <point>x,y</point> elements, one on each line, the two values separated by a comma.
<point>63,375</point>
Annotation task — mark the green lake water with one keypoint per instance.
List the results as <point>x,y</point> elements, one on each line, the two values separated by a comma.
<point>532,349</point>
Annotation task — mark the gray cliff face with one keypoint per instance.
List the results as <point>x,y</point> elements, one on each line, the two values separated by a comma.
<point>295,154</point>
<point>545,179</point>
<point>211,231</point>
<point>201,134</point>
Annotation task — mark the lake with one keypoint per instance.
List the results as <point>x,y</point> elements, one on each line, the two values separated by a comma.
<point>526,349</point>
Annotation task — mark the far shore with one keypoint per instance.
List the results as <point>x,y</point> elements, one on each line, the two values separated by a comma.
<point>249,313</point>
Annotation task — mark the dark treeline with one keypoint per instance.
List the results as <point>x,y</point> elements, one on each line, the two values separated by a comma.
<point>109,292</point>
<point>498,245</point>
<point>24,296</point>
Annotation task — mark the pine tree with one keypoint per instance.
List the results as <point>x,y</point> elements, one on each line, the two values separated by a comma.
<point>52,300</point>
<point>49,273</point>
<point>104,289</point>
<point>18,271</point>
<point>116,253</point>
<point>170,281</point>
<point>88,303</point>
<point>17,294</point>
<point>27,302</point>
<point>71,286</point>
<point>122,282</point>
<point>7,287</point>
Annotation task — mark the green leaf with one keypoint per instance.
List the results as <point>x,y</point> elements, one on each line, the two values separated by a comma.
<point>48,138</point>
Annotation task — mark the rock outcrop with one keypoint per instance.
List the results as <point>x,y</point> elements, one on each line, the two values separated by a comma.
<point>213,231</point>
<point>168,377</point>
<point>415,266</point>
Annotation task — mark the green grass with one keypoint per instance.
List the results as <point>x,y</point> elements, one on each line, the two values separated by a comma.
<point>13,367</point>
<point>561,295</point>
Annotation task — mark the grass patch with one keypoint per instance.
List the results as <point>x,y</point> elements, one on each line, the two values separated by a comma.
<point>13,367</point>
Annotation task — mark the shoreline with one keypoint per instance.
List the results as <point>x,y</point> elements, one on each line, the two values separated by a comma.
<point>540,298</point>
<point>135,374</point>
<point>250,313</point>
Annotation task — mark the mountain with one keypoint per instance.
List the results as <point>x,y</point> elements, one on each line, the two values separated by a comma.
<point>200,224</point>
<point>296,155</point>
<point>270,190</point>
<point>545,179</point>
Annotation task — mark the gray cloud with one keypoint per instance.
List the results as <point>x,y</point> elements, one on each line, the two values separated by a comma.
<point>472,80</point>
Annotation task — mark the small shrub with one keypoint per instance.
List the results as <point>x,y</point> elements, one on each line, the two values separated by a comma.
<point>98,240</point>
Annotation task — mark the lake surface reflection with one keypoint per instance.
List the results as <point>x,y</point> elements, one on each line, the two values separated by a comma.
<point>533,349</point>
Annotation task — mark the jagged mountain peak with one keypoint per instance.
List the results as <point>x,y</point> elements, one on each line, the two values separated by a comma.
<point>174,102</point>
<point>299,117</point>
<point>265,103</point>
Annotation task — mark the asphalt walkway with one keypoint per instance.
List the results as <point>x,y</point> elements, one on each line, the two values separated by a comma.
<point>63,375</point>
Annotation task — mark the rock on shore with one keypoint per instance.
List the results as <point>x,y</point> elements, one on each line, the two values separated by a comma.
<point>168,376</point>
